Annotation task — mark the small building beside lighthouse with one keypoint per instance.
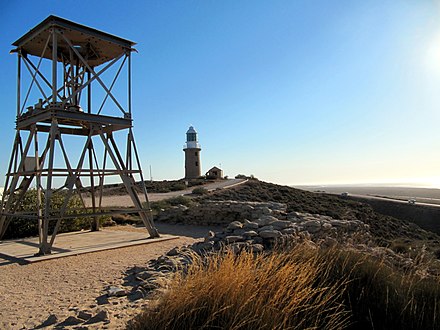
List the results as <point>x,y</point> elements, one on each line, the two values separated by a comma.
<point>192,155</point>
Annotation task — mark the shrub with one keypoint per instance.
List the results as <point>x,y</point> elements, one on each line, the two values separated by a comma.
<point>180,200</point>
<point>125,219</point>
<point>382,297</point>
<point>21,227</point>
<point>305,287</point>
<point>163,190</point>
<point>178,186</point>
<point>247,292</point>
<point>200,191</point>
<point>399,247</point>
<point>167,203</point>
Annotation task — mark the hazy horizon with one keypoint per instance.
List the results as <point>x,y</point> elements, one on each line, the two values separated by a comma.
<point>433,182</point>
<point>372,185</point>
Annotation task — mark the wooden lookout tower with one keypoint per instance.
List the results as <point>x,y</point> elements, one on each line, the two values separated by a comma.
<point>73,86</point>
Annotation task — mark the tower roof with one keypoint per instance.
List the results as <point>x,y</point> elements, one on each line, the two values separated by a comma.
<point>99,47</point>
<point>191,130</point>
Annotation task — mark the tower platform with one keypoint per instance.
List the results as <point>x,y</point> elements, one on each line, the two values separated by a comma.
<point>75,243</point>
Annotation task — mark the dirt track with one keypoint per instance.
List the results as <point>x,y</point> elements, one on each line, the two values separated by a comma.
<point>30,293</point>
<point>125,200</point>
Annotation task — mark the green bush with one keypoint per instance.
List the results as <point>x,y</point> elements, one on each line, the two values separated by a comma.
<point>167,203</point>
<point>178,186</point>
<point>22,227</point>
<point>200,191</point>
<point>125,219</point>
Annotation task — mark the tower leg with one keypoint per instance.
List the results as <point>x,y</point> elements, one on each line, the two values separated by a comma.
<point>10,200</point>
<point>44,247</point>
<point>95,221</point>
<point>129,185</point>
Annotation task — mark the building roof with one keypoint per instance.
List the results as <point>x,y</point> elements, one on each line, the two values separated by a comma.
<point>191,130</point>
<point>215,168</point>
<point>100,46</point>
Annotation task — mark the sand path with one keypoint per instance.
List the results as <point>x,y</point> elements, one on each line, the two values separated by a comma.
<point>30,293</point>
<point>125,200</point>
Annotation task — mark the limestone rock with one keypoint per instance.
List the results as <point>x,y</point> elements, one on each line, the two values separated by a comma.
<point>235,225</point>
<point>250,224</point>
<point>84,315</point>
<point>237,247</point>
<point>148,274</point>
<point>312,226</point>
<point>326,226</point>
<point>173,252</point>
<point>290,231</point>
<point>136,295</point>
<point>209,236</point>
<point>281,224</point>
<point>239,231</point>
<point>101,316</point>
<point>270,233</point>
<point>265,228</point>
<point>256,248</point>
<point>51,320</point>
<point>71,320</point>
<point>115,291</point>
<point>250,233</point>
<point>265,220</point>
<point>234,238</point>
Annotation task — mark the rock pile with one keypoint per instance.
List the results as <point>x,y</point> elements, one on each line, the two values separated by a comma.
<point>264,232</point>
<point>219,212</point>
<point>83,318</point>
<point>273,226</point>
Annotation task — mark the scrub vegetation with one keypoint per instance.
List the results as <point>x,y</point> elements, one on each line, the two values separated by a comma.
<point>386,230</point>
<point>296,288</point>
<point>23,227</point>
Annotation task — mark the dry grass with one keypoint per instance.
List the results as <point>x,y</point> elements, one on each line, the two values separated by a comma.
<point>302,288</point>
<point>382,297</point>
<point>277,291</point>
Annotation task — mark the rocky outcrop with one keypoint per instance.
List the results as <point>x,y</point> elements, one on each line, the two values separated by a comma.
<point>257,234</point>
<point>219,212</point>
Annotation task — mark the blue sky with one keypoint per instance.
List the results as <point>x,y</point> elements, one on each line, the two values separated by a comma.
<point>294,92</point>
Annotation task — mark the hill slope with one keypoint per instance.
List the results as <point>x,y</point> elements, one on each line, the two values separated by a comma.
<point>385,229</point>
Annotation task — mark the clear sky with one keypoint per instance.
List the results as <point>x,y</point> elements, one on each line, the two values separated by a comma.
<point>294,92</point>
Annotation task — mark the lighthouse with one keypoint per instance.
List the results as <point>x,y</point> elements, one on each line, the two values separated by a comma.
<point>192,155</point>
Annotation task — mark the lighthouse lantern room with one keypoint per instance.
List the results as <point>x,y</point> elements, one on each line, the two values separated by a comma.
<point>192,155</point>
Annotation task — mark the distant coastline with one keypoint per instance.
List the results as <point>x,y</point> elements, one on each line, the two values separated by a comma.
<point>425,194</point>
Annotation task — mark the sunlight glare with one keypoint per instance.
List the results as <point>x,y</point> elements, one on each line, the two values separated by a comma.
<point>432,54</point>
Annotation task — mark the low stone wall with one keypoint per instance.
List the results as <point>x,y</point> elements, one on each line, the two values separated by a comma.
<point>258,234</point>
<point>219,212</point>
<point>262,233</point>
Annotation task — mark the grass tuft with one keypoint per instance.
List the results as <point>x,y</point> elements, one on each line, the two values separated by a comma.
<point>277,291</point>
<point>303,288</point>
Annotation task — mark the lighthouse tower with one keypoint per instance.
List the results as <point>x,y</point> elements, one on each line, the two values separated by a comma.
<point>192,155</point>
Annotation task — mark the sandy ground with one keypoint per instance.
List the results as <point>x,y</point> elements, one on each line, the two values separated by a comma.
<point>30,293</point>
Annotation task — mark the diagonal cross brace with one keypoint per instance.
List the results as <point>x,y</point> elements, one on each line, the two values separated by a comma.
<point>96,76</point>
